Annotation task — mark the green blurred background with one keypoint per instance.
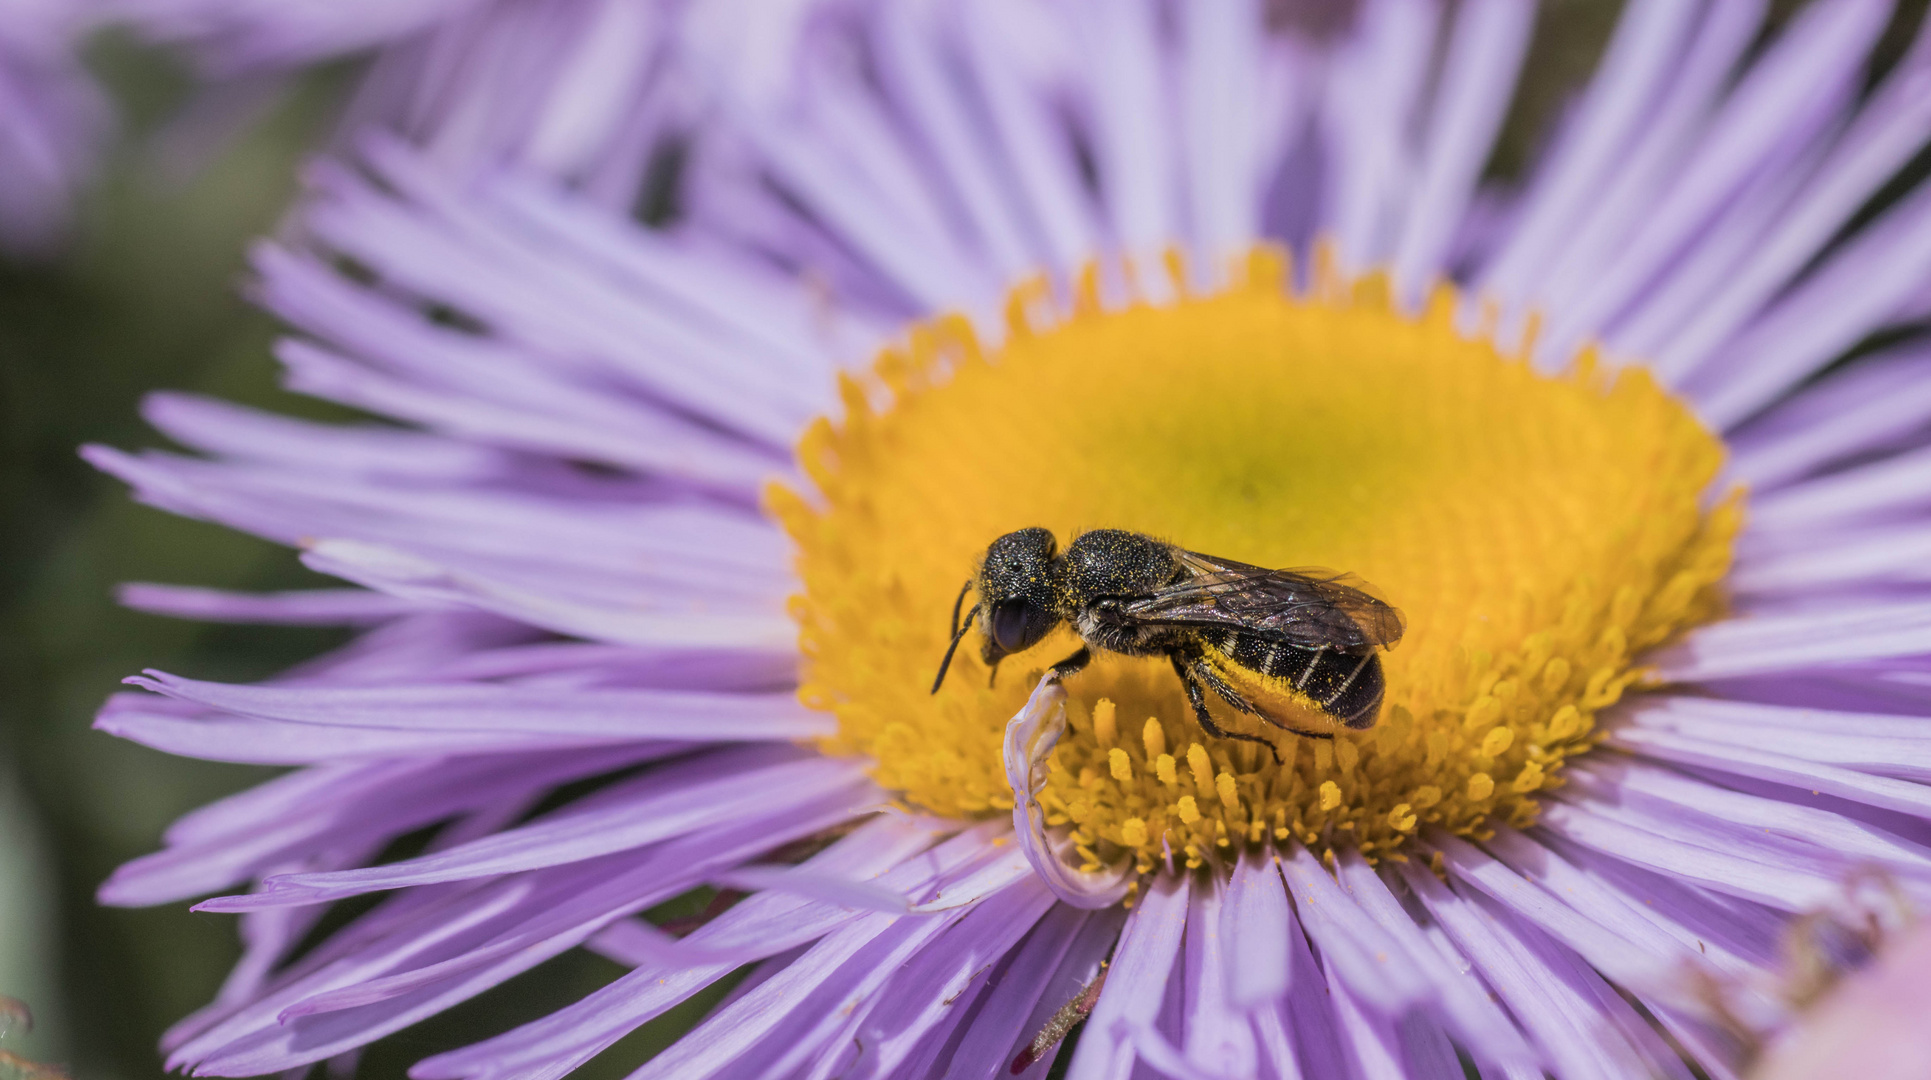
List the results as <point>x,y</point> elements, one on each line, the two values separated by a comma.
<point>148,296</point>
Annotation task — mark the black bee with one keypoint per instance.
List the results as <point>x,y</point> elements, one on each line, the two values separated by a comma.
<point>1307,630</point>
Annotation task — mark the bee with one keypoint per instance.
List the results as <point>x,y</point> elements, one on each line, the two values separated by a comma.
<point>1218,622</point>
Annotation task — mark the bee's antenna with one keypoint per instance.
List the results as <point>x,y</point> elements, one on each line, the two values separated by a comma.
<point>957,606</point>
<point>957,636</point>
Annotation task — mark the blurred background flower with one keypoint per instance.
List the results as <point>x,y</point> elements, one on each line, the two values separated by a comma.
<point>147,287</point>
<point>53,121</point>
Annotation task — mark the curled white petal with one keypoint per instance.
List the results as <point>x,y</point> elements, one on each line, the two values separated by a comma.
<point>1030,738</point>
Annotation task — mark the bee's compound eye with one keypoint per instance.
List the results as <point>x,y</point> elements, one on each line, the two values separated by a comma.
<point>1017,624</point>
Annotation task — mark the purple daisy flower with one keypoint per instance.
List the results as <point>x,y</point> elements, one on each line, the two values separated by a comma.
<point>1626,742</point>
<point>52,121</point>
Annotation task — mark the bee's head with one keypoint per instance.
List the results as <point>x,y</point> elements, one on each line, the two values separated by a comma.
<point>1018,592</point>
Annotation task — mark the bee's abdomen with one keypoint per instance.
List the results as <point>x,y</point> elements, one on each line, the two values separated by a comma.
<point>1347,686</point>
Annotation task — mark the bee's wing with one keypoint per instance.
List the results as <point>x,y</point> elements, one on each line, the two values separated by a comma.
<point>1306,605</point>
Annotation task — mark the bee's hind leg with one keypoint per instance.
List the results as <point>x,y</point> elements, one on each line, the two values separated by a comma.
<point>1192,673</point>
<point>1232,697</point>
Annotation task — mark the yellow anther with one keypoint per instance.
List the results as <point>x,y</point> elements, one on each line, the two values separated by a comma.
<point>1203,770</point>
<point>1497,740</point>
<point>1330,795</point>
<point>1187,810</point>
<point>1121,766</point>
<point>1480,787</point>
<point>1103,730</point>
<point>1529,779</point>
<point>1163,768</point>
<point>1155,737</point>
<point>1133,832</point>
<point>1566,723</point>
<point>1346,754</point>
<point>1224,787</point>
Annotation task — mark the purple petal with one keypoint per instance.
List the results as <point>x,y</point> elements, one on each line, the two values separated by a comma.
<point>1652,923</point>
<point>1789,94</point>
<point>1625,197</point>
<point>1461,1002</point>
<point>309,607</point>
<point>767,924</point>
<point>814,885</point>
<point>1030,737</point>
<point>473,941</point>
<point>1641,56</point>
<point>398,573</point>
<point>341,806</point>
<point>794,1017</point>
<point>1136,983</point>
<point>1485,54</point>
<point>1875,404</point>
<point>1257,912</point>
<point>923,995</point>
<point>1562,1005</point>
<point>1902,796</point>
<point>216,737</point>
<point>1300,1036</point>
<point>1219,1040</point>
<point>1375,84</point>
<point>635,714</point>
<point>1219,81</point>
<point>1359,951</point>
<point>713,789</point>
<point>1132,139</point>
<point>1800,641</point>
<point>1883,136</point>
<point>1779,886</point>
<point>1046,971</point>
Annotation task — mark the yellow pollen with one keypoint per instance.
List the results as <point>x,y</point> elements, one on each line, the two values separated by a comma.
<point>1538,532</point>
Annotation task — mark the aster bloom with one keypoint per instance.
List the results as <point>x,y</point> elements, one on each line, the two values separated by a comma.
<point>52,120</point>
<point>1171,269</point>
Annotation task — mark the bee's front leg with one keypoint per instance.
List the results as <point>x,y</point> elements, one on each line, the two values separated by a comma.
<point>1072,665</point>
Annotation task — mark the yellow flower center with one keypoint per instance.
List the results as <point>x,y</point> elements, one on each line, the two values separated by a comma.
<point>1537,532</point>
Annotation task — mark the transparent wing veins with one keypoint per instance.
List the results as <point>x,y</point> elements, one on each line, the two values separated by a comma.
<point>1308,606</point>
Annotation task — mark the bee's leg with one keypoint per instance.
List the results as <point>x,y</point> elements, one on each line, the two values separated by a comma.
<point>1232,697</point>
<point>1188,670</point>
<point>1072,665</point>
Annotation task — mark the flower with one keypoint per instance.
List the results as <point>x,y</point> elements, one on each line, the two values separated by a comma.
<point>52,122</point>
<point>1612,765</point>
